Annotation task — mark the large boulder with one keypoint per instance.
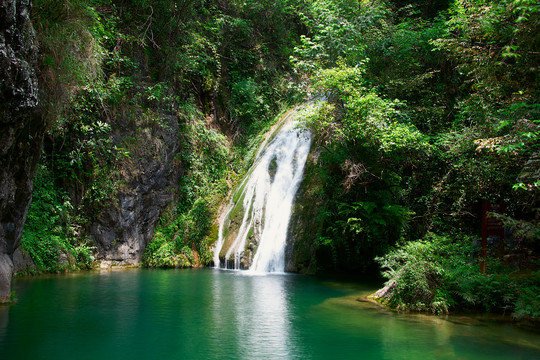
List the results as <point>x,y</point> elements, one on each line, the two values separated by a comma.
<point>22,261</point>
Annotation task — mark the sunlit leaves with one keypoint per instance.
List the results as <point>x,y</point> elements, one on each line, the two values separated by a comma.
<point>357,115</point>
<point>338,30</point>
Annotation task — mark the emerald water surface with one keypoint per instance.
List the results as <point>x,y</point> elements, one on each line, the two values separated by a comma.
<point>215,314</point>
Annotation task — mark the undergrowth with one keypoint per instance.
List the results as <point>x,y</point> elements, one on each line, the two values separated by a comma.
<point>50,235</point>
<point>440,273</point>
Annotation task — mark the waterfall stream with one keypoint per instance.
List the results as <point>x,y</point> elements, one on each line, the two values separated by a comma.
<point>253,233</point>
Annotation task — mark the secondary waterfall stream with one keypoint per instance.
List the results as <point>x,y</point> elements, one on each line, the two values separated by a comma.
<point>253,233</point>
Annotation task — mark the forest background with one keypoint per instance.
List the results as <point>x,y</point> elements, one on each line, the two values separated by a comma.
<point>431,109</point>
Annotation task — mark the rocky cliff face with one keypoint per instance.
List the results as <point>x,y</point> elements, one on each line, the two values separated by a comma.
<point>21,130</point>
<point>151,176</point>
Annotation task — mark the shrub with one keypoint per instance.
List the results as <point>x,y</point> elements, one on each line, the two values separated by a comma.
<point>163,255</point>
<point>438,273</point>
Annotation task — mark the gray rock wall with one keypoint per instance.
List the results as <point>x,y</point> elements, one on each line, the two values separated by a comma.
<point>21,129</point>
<point>122,231</point>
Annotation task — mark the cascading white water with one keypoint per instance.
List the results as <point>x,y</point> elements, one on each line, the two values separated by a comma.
<point>266,196</point>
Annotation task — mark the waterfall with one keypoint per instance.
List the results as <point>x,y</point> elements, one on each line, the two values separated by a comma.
<point>253,233</point>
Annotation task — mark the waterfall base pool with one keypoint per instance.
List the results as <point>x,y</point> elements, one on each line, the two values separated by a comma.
<point>215,314</point>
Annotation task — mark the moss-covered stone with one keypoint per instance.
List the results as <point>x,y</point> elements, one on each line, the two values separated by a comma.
<point>304,226</point>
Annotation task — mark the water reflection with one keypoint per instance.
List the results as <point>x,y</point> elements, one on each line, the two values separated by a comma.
<point>4,319</point>
<point>215,314</point>
<point>365,328</point>
<point>256,309</point>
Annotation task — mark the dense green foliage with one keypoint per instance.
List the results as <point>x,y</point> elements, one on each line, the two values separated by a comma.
<point>50,233</point>
<point>438,273</point>
<point>425,110</point>
<point>426,114</point>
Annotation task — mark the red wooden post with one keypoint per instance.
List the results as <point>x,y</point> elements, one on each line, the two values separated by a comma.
<point>491,227</point>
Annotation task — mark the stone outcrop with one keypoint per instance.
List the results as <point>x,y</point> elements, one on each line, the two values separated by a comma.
<point>21,130</point>
<point>22,261</point>
<point>123,230</point>
<point>300,252</point>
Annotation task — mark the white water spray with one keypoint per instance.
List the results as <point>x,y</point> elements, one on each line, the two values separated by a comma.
<point>266,197</point>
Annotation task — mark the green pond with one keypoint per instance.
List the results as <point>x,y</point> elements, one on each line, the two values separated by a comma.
<point>216,314</point>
